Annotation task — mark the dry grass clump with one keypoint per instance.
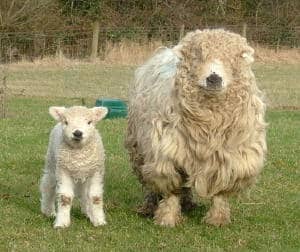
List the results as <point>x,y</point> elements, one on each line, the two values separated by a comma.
<point>130,53</point>
<point>282,55</point>
<point>133,53</point>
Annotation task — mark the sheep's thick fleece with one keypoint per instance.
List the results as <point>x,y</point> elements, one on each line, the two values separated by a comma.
<point>196,120</point>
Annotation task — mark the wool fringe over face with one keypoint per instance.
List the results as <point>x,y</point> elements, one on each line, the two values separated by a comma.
<point>196,120</point>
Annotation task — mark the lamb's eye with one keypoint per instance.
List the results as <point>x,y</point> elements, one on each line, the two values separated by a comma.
<point>66,122</point>
<point>89,122</point>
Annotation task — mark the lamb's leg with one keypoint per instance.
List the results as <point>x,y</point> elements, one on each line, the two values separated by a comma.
<point>83,198</point>
<point>47,188</point>
<point>65,195</point>
<point>94,200</point>
<point>219,213</point>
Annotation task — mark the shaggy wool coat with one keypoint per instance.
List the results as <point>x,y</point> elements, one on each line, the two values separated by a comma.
<point>181,135</point>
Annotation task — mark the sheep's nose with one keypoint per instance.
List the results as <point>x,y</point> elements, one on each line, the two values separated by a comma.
<point>213,81</point>
<point>77,134</point>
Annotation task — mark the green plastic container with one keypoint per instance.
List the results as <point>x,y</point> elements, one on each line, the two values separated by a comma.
<point>116,107</point>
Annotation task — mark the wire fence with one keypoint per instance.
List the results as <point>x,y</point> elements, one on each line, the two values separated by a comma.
<point>76,43</point>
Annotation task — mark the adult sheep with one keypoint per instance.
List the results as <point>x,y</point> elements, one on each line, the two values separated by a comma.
<point>196,120</point>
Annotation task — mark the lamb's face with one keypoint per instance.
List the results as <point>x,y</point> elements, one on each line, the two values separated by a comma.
<point>78,123</point>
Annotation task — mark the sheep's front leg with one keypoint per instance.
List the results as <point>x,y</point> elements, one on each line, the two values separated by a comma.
<point>168,212</point>
<point>65,195</point>
<point>94,200</point>
<point>166,180</point>
<point>219,213</point>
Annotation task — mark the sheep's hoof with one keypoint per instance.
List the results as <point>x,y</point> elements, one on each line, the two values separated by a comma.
<point>167,219</point>
<point>218,219</point>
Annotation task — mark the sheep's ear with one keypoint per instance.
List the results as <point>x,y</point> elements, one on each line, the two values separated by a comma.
<point>99,113</point>
<point>177,51</point>
<point>247,55</point>
<point>57,112</point>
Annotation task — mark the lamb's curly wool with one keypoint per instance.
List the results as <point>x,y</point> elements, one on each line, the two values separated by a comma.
<point>187,128</point>
<point>74,164</point>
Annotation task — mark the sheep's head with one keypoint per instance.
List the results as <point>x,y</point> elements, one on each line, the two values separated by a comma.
<point>78,122</point>
<point>212,59</point>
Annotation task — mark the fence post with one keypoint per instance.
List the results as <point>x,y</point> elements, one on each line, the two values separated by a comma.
<point>181,32</point>
<point>38,45</point>
<point>96,29</point>
<point>3,96</point>
<point>59,53</point>
<point>277,45</point>
<point>244,30</point>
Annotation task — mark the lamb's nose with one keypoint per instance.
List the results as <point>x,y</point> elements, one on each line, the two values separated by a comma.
<point>77,133</point>
<point>214,81</point>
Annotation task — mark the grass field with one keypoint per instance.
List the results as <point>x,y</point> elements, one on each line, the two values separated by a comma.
<point>267,220</point>
<point>280,82</point>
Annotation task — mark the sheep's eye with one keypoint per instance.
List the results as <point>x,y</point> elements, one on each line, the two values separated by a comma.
<point>66,122</point>
<point>89,122</point>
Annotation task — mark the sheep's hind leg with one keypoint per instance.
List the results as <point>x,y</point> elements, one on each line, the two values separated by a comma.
<point>219,213</point>
<point>150,204</point>
<point>47,188</point>
<point>186,200</point>
<point>151,200</point>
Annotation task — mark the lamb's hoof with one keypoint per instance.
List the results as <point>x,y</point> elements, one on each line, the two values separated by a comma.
<point>62,224</point>
<point>217,220</point>
<point>167,219</point>
<point>98,222</point>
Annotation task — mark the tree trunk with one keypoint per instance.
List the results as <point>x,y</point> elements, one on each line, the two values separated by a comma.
<point>96,30</point>
<point>181,32</point>
<point>3,96</point>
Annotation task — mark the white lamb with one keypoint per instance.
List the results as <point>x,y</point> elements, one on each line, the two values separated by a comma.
<point>74,165</point>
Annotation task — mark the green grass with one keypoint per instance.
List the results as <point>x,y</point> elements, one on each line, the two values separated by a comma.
<point>280,84</point>
<point>267,220</point>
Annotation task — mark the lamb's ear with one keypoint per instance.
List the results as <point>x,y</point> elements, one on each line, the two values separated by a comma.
<point>248,55</point>
<point>57,112</point>
<point>99,113</point>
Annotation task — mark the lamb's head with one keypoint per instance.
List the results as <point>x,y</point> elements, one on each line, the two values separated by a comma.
<point>211,60</point>
<point>78,123</point>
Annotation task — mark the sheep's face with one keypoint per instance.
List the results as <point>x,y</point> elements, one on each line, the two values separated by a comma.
<point>78,123</point>
<point>212,59</point>
<point>212,75</point>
